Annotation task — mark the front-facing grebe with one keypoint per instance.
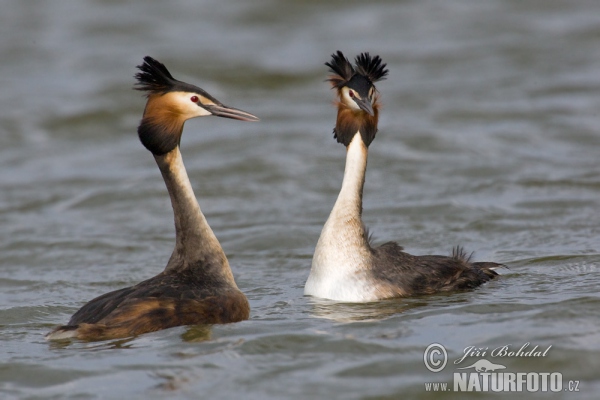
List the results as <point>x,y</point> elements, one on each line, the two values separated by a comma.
<point>345,266</point>
<point>197,286</point>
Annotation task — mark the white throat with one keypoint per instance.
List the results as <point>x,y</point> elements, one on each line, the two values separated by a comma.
<point>340,265</point>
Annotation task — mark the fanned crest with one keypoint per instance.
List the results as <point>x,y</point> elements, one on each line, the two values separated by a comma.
<point>367,66</point>
<point>372,68</point>
<point>341,67</point>
<point>154,78</point>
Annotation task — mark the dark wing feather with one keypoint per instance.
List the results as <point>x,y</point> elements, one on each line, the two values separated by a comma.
<point>459,253</point>
<point>98,308</point>
<point>135,316</point>
<point>341,68</point>
<point>372,68</point>
<point>160,302</point>
<point>154,77</point>
<point>418,275</point>
<point>159,286</point>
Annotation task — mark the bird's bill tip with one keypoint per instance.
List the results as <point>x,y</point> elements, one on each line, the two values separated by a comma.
<point>365,105</point>
<point>230,112</point>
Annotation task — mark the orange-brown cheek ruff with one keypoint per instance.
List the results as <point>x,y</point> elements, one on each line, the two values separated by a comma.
<point>357,98</point>
<point>345,266</point>
<point>197,285</point>
<point>350,121</point>
<point>164,116</point>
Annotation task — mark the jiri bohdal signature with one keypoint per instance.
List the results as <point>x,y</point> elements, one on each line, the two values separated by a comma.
<point>503,351</point>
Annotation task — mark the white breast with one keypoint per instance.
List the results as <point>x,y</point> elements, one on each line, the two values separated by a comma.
<point>339,281</point>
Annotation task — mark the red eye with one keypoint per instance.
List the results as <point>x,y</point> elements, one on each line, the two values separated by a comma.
<point>351,93</point>
<point>194,99</point>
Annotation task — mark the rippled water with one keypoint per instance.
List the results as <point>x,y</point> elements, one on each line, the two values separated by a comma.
<point>488,138</point>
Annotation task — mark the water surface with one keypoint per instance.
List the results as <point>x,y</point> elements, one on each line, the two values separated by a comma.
<point>488,138</point>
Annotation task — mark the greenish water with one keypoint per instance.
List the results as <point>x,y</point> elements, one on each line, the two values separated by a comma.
<point>488,138</point>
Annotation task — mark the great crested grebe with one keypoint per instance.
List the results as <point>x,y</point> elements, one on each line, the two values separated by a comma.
<point>197,286</point>
<point>345,267</point>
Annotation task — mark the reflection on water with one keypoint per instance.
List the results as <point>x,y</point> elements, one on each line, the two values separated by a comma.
<point>192,334</point>
<point>349,312</point>
<point>488,138</point>
<point>197,333</point>
<point>125,343</point>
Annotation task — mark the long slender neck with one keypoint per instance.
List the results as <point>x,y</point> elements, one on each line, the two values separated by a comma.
<point>349,201</point>
<point>196,245</point>
<point>343,256</point>
<point>343,250</point>
<point>344,232</point>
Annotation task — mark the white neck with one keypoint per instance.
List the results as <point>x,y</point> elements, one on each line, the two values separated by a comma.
<point>349,201</point>
<point>342,254</point>
<point>196,244</point>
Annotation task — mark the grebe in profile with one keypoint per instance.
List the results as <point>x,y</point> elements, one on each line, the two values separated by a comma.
<point>345,266</point>
<point>197,286</point>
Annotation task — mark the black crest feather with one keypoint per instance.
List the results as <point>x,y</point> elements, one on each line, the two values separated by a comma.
<point>342,69</point>
<point>372,68</point>
<point>154,77</point>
